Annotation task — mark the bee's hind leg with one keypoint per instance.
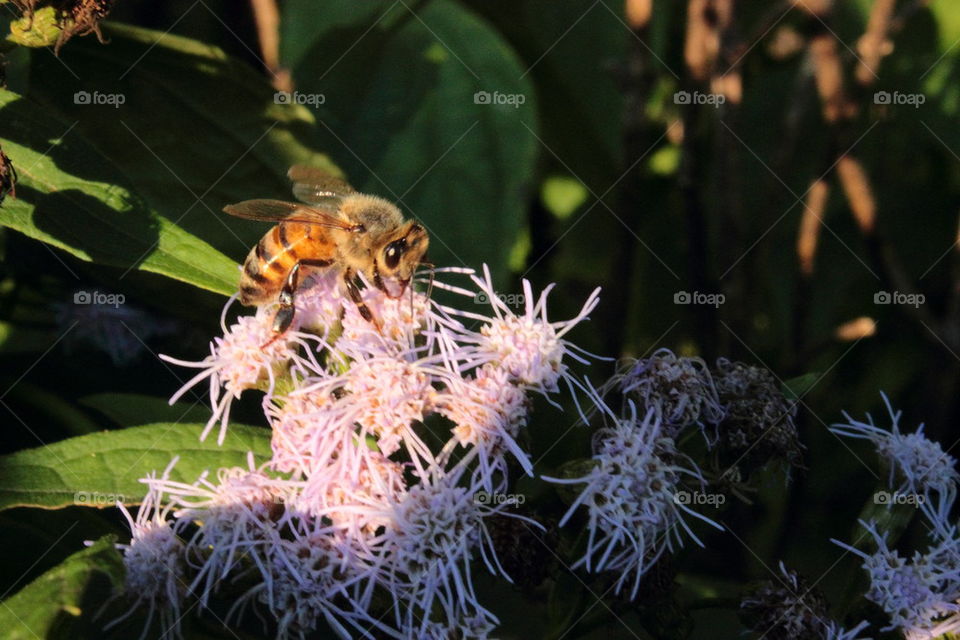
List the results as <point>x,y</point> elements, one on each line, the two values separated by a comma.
<point>284,317</point>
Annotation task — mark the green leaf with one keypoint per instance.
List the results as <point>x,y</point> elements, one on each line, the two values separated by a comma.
<point>796,388</point>
<point>64,599</point>
<point>196,130</point>
<point>73,198</point>
<point>403,116</point>
<point>98,469</point>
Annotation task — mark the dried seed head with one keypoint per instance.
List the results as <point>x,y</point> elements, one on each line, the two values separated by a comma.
<point>786,607</point>
<point>759,421</point>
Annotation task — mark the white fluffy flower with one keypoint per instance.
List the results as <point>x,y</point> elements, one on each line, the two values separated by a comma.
<point>632,499</point>
<point>155,561</point>
<point>528,347</point>
<point>920,594</point>
<point>436,529</point>
<point>366,517</point>
<point>238,515</point>
<point>247,353</point>
<point>921,463</point>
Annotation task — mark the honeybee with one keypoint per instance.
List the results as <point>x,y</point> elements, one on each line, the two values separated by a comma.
<point>332,227</point>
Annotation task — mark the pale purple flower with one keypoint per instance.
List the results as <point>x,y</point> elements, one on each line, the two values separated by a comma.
<point>488,410</point>
<point>528,347</point>
<point>238,515</point>
<point>680,389</point>
<point>245,356</point>
<point>631,498</point>
<point>436,530</point>
<point>317,575</point>
<point>920,594</point>
<point>297,422</point>
<point>155,561</point>
<point>374,525</point>
<point>354,502</point>
<point>400,319</point>
<point>379,401</point>
<point>921,463</point>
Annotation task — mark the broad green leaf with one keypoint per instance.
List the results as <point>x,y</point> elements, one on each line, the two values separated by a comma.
<point>402,114</point>
<point>62,602</point>
<point>193,129</point>
<point>72,197</point>
<point>98,469</point>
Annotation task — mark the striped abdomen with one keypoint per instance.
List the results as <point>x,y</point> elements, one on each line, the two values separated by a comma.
<point>268,263</point>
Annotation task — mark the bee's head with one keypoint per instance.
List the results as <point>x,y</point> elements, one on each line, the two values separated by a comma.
<point>400,256</point>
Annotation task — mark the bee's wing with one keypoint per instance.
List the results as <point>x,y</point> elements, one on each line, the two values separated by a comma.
<point>316,186</point>
<point>280,211</point>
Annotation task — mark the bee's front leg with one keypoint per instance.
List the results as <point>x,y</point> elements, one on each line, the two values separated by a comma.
<point>354,293</point>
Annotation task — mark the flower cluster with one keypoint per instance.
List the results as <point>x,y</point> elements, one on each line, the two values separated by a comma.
<point>921,464</point>
<point>758,422</point>
<point>921,592</point>
<point>634,496</point>
<point>740,408</point>
<point>680,389</point>
<point>366,519</point>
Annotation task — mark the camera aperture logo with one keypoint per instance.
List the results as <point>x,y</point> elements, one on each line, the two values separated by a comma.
<point>895,297</point>
<point>896,98</point>
<point>96,98</point>
<point>512,99</point>
<point>696,297</point>
<point>697,97</point>
<point>308,99</point>
<point>97,298</point>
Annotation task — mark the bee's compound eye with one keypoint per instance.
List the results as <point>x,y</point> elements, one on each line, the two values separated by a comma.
<point>391,255</point>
